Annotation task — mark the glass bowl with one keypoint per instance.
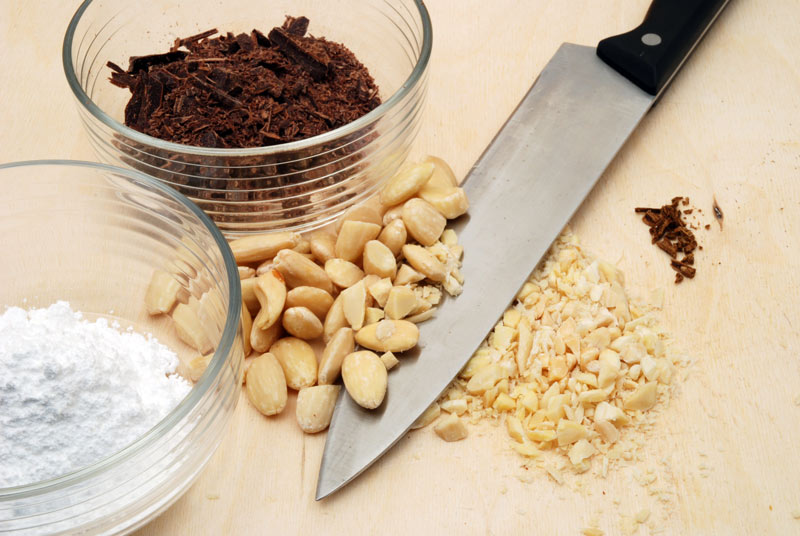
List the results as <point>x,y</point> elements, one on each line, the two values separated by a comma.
<point>93,235</point>
<point>299,185</point>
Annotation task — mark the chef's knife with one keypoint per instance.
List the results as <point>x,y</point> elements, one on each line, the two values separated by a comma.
<point>524,189</point>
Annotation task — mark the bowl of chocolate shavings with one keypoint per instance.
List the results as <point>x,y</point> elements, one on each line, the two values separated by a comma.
<point>266,121</point>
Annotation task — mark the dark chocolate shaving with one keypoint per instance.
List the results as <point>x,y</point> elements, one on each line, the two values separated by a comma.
<point>670,233</point>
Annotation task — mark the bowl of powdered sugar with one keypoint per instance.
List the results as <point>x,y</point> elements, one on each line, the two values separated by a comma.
<point>106,415</point>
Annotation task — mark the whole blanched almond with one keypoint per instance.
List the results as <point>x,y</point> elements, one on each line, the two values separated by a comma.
<point>352,237</point>
<point>162,293</point>
<point>389,336</point>
<point>364,213</point>
<point>271,293</point>
<point>400,303</point>
<point>343,273</point>
<point>315,407</point>
<point>450,202</point>
<point>265,385</point>
<point>354,304</point>
<point>424,262</point>
<point>299,271</point>
<point>406,182</point>
<point>379,259</point>
<point>322,246</point>
<point>260,247</point>
<point>394,236</point>
<point>247,327</point>
<point>424,223</point>
<point>365,378</point>
<point>315,299</point>
<point>341,344</point>
<point>298,361</point>
<point>334,320</point>
<point>442,176</point>
<point>262,339</point>
<point>300,322</point>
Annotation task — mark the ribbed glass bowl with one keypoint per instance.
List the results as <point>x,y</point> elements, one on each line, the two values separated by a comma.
<point>299,185</point>
<point>93,235</point>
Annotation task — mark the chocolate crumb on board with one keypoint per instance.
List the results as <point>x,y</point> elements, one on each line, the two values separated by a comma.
<point>671,234</point>
<point>718,213</point>
<point>246,90</point>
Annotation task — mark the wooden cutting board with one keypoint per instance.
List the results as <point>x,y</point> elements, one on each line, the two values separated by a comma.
<point>722,458</point>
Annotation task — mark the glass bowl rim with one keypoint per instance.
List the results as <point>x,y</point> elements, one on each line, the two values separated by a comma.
<point>199,389</point>
<point>416,75</point>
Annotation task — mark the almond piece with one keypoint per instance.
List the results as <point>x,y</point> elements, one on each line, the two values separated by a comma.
<point>297,360</point>
<point>394,236</point>
<point>424,223</point>
<point>400,303</point>
<point>266,385</point>
<point>315,299</point>
<point>406,182</point>
<point>315,407</point>
<point>260,247</point>
<point>451,428</point>
<point>424,262</point>
<point>449,202</point>
<point>643,398</point>
<point>302,323</point>
<point>389,360</point>
<point>430,414</point>
<point>379,260</point>
<point>343,273</point>
<point>262,339</point>
<point>362,213</point>
<point>162,293</point>
<point>298,271</point>
<point>406,275</point>
<point>334,320</point>
<point>442,176</point>
<point>323,245</point>
<point>341,344</point>
<point>190,329</point>
<point>247,327</point>
<point>389,336</point>
<point>365,378</point>
<point>354,304</point>
<point>352,238</point>
<point>271,293</point>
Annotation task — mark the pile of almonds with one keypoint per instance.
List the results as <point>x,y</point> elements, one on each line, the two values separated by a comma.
<point>571,365</point>
<point>366,282</point>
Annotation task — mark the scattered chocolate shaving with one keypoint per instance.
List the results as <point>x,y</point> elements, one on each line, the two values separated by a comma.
<point>246,90</point>
<point>670,232</point>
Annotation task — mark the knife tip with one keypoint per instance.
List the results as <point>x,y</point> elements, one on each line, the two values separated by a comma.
<point>324,489</point>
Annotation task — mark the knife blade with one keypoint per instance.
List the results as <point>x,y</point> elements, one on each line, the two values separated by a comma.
<point>524,189</point>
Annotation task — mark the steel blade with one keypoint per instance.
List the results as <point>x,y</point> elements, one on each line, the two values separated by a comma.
<point>523,190</point>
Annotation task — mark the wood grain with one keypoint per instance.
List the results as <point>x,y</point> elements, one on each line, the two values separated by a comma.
<point>723,453</point>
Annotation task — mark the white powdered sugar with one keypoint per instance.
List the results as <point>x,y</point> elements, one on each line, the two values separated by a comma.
<point>73,392</point>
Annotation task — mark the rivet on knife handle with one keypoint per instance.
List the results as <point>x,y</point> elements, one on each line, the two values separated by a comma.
<point>652,53</point>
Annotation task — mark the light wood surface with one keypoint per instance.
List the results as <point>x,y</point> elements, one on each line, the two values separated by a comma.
<point>724,451</point>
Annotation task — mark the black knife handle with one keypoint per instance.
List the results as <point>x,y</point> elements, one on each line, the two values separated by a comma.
<point>650,55</point>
